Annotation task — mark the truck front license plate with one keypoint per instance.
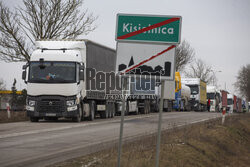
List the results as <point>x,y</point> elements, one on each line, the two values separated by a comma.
<point>50,114</point>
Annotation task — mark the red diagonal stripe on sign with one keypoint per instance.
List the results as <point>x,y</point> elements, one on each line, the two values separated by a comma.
<point>151,58</point>
<point>148,28</point>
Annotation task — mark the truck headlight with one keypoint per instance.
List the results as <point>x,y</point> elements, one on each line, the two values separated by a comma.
<point>31,103</point>
<point>70,102</point>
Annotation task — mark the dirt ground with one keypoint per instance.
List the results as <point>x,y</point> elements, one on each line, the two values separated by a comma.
<point>16,116</point>
<point>207,144</point>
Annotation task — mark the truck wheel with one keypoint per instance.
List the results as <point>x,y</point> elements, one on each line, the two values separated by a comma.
<point>104,114</point>
<point>137,111</point>
<point>109,110</point>
<point>34,119</point>
<point>113,110</point>
<point>147,107</point>
<point>126,109</point>
<point>78,118</point>
<point>92,111</point>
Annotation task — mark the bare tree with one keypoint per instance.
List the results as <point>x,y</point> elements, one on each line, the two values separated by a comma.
<point>2,85</point>
<point>40,19</point>
<point>199,69</point>
<point>184,55</point>
<point>242,83</point>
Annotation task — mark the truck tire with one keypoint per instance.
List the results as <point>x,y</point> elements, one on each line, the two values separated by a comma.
<point>104,114</point>
<point>126,109</point>
<point>113,110</point>
<point>109,110</point>
<point>146,107</point>
<point>92,111</point>
<point>34,119</point>
<point>78,118</point>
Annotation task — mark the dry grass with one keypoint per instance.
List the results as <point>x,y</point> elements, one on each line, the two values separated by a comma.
<point>206,144</point>
<point>16,116</point>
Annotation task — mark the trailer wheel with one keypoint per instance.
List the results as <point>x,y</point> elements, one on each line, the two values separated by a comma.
<point>146,107</point>
<point>92,111</point>
<point>34,119</point>
<point>113,110</point>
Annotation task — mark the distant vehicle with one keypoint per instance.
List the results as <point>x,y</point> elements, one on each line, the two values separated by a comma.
<point>139,100</point>
<point>239,105</point>
<point>230,103</point>
<point>244,105</point>
<point>223,100</point>
<point>57,85</point>
<point>198,93</point>
<point>215,98</point>
<point>182,94</point>
<point>235,104</point>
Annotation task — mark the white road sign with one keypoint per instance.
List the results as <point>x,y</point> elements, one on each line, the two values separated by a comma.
<point>144,58</point>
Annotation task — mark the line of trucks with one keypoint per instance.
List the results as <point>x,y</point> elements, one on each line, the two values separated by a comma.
<point>72,78</point>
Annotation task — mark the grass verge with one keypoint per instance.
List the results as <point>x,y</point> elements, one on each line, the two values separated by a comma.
<point>207,144</point>
<point>16,116</point>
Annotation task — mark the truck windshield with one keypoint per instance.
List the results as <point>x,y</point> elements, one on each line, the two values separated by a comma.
<point>194,89</point>
<point>52,72</point>
<point>229,101</point>
<point>210,95</point>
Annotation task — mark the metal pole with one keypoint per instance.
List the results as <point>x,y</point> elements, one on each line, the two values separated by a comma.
<point>159,126</point>
<point>122,121</point>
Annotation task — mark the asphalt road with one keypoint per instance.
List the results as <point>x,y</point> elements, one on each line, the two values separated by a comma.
<point>44,143</point>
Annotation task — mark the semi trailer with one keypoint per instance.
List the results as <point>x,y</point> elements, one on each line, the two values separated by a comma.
<point>66,78</point>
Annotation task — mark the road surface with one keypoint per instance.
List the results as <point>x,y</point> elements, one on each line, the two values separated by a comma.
<point>44,143</point>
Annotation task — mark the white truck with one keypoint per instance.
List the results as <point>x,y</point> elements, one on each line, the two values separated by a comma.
<point>198,93</point>
<point>66,78</point>
<point>230,103</point>
<point>215,98</point>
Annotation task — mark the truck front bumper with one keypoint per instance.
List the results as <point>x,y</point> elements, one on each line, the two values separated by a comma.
<point>63,114</point>
<point>51,106</point>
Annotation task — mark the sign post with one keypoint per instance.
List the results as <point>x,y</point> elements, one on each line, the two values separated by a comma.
<point>124,85</point>
<point>146,44</point>
<point>159,126</point>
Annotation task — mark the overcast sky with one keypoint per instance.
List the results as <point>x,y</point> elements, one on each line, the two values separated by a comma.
<point>218,30</point>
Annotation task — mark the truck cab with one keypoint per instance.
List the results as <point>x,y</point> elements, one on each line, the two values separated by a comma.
<point>56,80</point>
<point>198,93</point>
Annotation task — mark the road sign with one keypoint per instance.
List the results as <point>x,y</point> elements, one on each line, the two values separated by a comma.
<point>146,59</point>
<point>148,28</point>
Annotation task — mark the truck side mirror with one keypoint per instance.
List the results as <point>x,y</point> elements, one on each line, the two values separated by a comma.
<point>24,76</point>
<point>81,72</point>
<point>24,67</point>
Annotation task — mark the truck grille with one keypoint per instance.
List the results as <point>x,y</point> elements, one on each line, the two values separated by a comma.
<point>51,106</point>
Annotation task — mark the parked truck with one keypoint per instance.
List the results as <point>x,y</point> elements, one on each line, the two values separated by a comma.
<point>140,96</point>
<point>65,80</point>
<point>214,95</point>
<point>144,96</point>
<point>223,100</point>
<point>235,104</point>
<point>239,105</point>
<point>198,93</point>
<point>182,94</point>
